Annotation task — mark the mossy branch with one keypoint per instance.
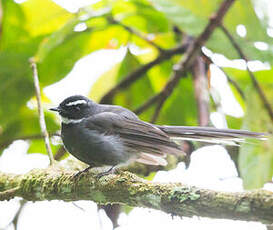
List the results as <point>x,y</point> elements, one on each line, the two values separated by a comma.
<point>126,188</point>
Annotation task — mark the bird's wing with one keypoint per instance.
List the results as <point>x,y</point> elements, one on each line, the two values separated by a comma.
<point>135,134</point>
<point>119,110</point>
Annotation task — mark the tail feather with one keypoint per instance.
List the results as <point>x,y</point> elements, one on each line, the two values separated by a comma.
<point>209,134</point>
<point>150,159</point>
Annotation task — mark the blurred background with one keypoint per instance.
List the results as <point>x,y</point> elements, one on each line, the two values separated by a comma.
<point>124,52</point>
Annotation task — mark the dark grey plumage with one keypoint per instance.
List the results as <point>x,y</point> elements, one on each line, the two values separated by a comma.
<point>112,135</point>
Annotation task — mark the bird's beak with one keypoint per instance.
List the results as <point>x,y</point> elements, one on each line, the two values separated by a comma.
<point>57,109</point>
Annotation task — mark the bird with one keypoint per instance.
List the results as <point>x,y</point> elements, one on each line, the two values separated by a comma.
<point>111,135</point>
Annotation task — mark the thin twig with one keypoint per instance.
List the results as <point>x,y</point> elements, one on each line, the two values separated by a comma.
<point>9,194</point>
<point>209,61</point>
<point>235,84</point>
<point>187,40</point>
<point>189,57</point>
<point>157,111</point>
<point>40,111</point>
<point>138,73</point>
<point>148,103</point>
<point>253,78</point>
<point>138,34</point>
<point>60,153</point>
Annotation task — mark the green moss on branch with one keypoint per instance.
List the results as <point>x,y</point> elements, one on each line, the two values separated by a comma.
<point>175,198</point>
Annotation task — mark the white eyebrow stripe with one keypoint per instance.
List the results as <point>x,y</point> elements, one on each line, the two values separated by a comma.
<point>76,102</point>
<point>71,121</point>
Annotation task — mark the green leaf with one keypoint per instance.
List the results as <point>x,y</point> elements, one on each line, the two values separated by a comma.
<point>38,146</point>
<point>245,15</point>
<point>159,75</point>
<point>182,17</point>
<point>13,28</point>
<point>234,122</point>
<point>180,108</point>
<point>62,58</point>
<point>256,158</point>
<point>16,85</point>
<point>92,22</point>
<point>55,39</point>
<point>26,124</point>
<point>204,9</point>
<point>20,38</point>
<point>25,21</point>
<point>264,77</point>
<point>137,93</point>
<point>104,83</point>
<point>44,16</point>
<point>144,17</point>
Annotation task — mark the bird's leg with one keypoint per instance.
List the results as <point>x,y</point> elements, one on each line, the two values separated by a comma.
<point>112,170</point>
<point>76,175</point>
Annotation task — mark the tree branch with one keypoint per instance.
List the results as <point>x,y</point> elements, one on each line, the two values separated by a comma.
<point>235,84</point>
<point>9,194</point>
<point>40,111</point>
<point>174,198</point>
<point>157,110</point>
<point>201,91</point>
<point>252,76</point>
<point>60,153</point>
<point>112,211</point>
<point>162,97</point>
<point>14,221</point>
<point>138,73</point>
<point>189,57</point>
<point>147,104</point>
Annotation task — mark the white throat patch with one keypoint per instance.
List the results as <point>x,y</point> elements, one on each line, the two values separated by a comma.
<point>71,121</point>
<point>76,102</point>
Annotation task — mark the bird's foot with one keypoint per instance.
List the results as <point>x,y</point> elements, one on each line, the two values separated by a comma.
<point>78,174</point>
<point>112,170</point>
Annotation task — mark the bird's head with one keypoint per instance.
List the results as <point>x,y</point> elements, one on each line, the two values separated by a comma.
<point>73,109</point>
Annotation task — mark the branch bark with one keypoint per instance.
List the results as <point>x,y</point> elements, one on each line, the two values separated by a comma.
<point>126,188</point>
<point>201,91</point>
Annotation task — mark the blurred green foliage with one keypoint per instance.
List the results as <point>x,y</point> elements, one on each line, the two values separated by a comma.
<point>46,31</point>
<point>256,158</point>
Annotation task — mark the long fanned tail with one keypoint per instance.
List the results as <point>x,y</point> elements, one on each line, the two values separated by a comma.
<point>209,134</point>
